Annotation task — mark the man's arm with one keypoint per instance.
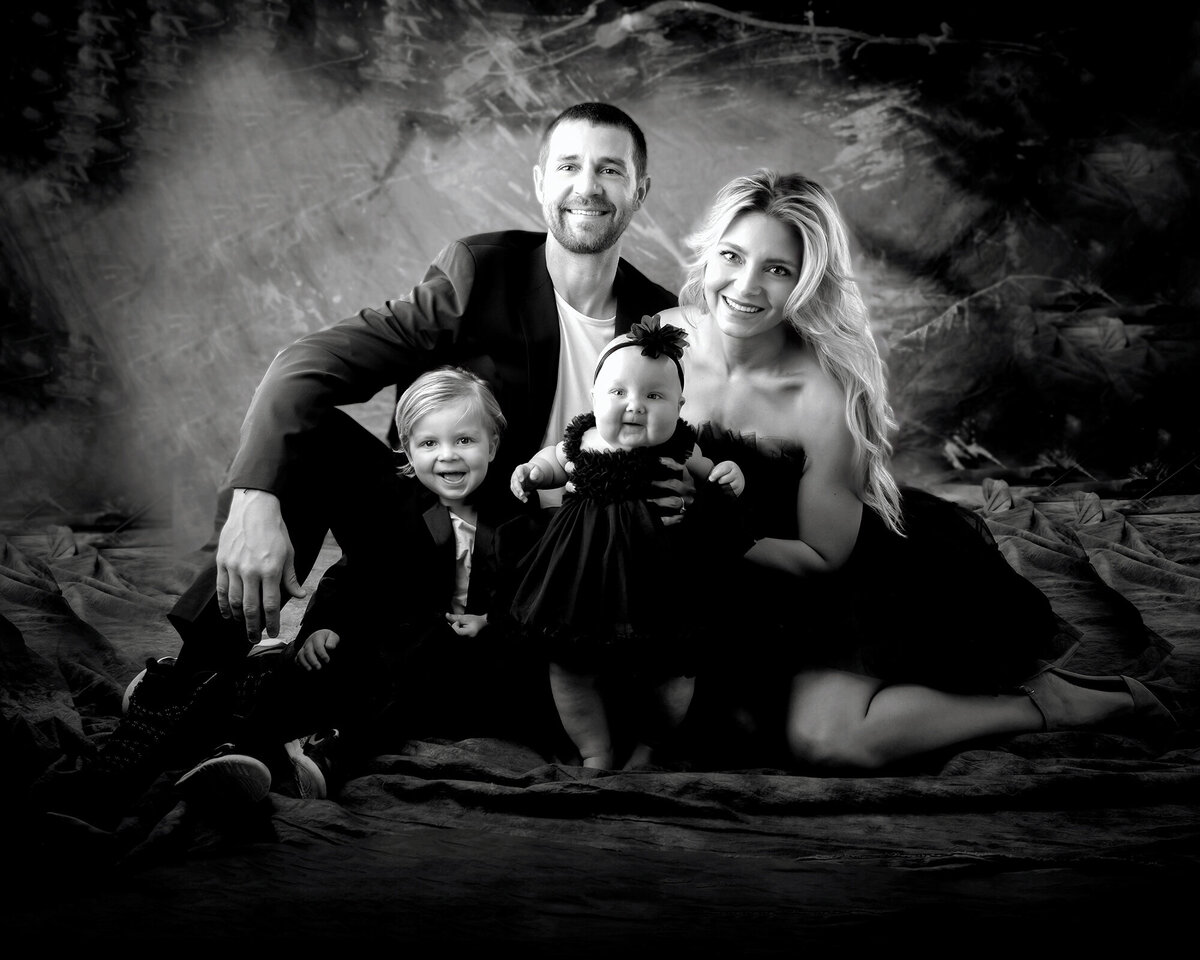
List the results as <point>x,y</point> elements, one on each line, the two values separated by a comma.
<point>347,363</point>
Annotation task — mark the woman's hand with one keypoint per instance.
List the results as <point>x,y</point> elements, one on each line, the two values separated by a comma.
<point>467,624</point>
<point>316,649</point>
<point>679,493</point>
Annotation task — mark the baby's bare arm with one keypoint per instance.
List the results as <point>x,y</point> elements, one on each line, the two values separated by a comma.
<point>543,471</point>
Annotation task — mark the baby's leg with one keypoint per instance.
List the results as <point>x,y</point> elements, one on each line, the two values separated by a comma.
<point>581,709</point>
<point>671,701</point>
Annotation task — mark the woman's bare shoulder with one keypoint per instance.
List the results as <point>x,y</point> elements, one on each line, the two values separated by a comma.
<point>676,315</point>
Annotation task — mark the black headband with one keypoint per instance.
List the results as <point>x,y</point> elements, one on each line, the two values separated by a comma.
<point>656,339</point>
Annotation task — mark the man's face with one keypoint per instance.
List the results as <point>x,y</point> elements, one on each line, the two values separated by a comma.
<point>636,400</point>
<point>588,188</point>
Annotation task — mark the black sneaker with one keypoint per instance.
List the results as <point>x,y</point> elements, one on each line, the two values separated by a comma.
<point>162,711</point>
<point>161,664</point>
<point>227,780</point>
<point>311,766</point>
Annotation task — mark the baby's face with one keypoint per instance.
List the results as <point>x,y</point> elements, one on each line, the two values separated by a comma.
<point>636,400</point>
<point>450,449</point>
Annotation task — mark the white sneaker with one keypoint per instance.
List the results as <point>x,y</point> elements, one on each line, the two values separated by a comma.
<point>226,779</point>
<point>310,766</point>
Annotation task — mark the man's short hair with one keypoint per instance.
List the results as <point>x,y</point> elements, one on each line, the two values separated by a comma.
<point>599,115</point>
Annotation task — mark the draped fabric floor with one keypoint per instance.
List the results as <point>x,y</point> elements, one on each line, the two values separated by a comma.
<point>1087,837</point>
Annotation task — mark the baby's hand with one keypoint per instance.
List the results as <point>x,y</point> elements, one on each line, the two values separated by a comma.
<point>316,649</point>
<point>526,477</point>
<point>729,474</point>
<point>467,624</point>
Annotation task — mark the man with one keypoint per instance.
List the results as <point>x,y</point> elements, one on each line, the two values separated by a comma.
<point>528,312</point>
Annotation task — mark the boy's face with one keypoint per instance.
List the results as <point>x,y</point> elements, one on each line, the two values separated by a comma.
<point>450,450</point>
<point>636,400</point>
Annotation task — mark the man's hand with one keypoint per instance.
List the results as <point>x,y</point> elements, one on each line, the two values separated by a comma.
<point>254,556</point>
<point>679,494</point>
<point>467,624</point>
<point>317,648</point>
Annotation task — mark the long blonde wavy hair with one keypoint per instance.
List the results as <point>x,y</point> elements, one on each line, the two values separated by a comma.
<point>825,310</point>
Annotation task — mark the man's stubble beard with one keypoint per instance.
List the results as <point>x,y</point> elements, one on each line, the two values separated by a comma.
<point>556,222</point>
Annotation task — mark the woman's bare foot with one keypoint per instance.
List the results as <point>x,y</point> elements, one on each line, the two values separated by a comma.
<point>1065,705</point>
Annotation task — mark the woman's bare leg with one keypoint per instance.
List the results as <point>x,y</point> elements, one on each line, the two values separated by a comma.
<point>840,719</point>
<point>844,719</point>
<point>581,709</point>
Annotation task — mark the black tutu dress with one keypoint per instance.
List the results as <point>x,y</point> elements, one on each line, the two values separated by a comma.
<point>606,588</point>
<point>939,606</point>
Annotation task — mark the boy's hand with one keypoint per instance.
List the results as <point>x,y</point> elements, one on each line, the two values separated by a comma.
<point>467,624</point>
<point>316,649</point>
<point>526,477</point>
<point>729,474</point>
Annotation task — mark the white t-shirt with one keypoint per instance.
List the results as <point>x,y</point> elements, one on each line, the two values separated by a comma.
<point>581,340</point>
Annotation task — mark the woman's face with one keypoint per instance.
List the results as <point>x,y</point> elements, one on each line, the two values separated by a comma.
<point>750,274</point>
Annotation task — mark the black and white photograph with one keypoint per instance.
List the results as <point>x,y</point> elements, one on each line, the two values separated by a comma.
<point>600,476</point>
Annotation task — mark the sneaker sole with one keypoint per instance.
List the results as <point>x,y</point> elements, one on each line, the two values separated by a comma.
<point>232,779</point>
<point>308,779</point>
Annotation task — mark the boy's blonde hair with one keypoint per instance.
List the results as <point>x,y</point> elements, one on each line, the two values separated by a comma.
<point>435,389</point>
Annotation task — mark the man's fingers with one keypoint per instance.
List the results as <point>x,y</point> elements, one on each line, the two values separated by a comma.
<point>291,583</point>
<point>251,602</point>
<point>223,592</point>
<point>235,597</point>
<point>270,607</point>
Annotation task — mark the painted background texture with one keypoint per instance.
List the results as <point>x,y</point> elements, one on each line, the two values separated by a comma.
<point>189,185</point>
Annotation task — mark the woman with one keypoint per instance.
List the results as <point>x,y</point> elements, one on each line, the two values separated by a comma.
<point>905,631</point>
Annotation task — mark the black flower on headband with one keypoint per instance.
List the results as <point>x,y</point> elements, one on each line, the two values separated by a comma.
<point>658,339</point>
<point>655,339</point>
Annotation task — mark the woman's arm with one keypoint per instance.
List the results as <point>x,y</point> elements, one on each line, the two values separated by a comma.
<point>828,507</point>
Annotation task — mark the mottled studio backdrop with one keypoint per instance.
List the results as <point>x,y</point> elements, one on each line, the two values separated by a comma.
<point>188,185</point>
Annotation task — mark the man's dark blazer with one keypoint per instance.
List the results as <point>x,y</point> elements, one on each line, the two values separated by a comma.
<point>486,303</point>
